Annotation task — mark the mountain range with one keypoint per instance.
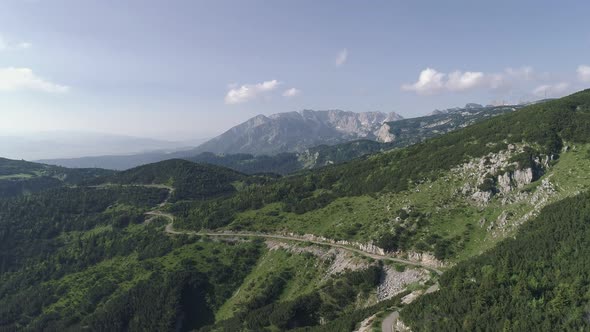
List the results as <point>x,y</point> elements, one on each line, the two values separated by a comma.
<point>484,227</point>
<point>297,131</point>
<point>358,133</point>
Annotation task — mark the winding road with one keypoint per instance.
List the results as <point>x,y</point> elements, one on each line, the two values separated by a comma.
<point>387,324</point>
<point>170,230</point>
<point>389,321</point>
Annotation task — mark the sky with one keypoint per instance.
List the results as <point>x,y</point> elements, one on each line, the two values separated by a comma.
<point>181,70</point>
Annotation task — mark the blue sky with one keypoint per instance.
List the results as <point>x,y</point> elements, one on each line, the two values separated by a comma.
<point>191,69</point>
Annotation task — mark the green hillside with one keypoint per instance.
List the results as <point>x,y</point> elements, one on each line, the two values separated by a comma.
<point>190,180</point>
<point>87,258</point>
<point>499,208</point>
<point>19,177</point>
<point>424,197</point>
<point>537,281</point>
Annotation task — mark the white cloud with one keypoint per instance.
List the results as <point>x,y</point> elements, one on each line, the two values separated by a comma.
<point>459,81</point>
<point>584,73</point>
<point>430,81</point>
<point>291,92</point>
<point>249,92</point>
<point>21,79</point>
<point>551,90</point>
<point>341,57</point>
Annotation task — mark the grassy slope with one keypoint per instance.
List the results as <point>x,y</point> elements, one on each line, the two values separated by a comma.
<point>306,275</point>
<point>19,177</point>
<point>362,218</point>
<point>536,281</point>
<point>124,272</point>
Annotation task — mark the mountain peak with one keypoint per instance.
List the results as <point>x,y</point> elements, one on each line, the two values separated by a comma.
<point>298,130</point>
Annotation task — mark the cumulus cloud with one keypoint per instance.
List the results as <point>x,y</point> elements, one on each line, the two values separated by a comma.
<point>459,81</point>
<point>432,81</point>
<point>341,57</point>
<point>23,79</point>
<point>584,73</point>
<point>551,90</point>
<point>429,81</point>
<point>249,92</point>
<point>291,92</point>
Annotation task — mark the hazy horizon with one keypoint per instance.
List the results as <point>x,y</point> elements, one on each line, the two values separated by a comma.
<point>187,69</point>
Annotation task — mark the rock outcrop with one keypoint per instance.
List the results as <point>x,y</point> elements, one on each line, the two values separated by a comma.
<point>339,260</point>
<point>297,131</point>
<point>497,175</point>
<point>384,135</point>
<point>394,282</point>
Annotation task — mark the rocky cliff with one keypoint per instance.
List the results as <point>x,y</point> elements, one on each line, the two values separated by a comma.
<point>297,131</point>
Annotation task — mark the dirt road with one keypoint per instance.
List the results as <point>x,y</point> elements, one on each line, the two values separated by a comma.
<point>170,230</point>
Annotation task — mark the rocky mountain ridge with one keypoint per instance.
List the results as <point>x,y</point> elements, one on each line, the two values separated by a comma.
<point>389,135</point>
<point>296,131</point>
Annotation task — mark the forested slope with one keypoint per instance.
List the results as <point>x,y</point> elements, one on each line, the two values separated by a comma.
<point>21,177</point>
<point>84,259</point>
<point>83,255</point>
<point>422,197</point>
<point>537,281</point>
<point>190,180</point>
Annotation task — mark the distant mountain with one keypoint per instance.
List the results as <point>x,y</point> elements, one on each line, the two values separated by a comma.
<point>483,228</point>
<point>69,144</point>
<point>394,134</point>
<point>410,131</point>
<point>116,162</point>
<point>297,131</point>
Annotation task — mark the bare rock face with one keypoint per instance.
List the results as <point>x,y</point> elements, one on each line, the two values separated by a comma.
<point>504,183</point>
<point>394,282</point>
<point>501,171</point>
<point>423,258</point>
<point>523,177</point>
<point>481,197</point>
<point>384,135</point>
<point>339,260</point>
<point>517,179</point>
<point>401,327</point>
<point>297,131</point>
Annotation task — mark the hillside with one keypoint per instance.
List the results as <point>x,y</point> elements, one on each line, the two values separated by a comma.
<point>20,177</point>
<point>89,258</point>
<point>451,196</point>
<point>203,247</point>
<point>189,180</point>
<point>536,281</point>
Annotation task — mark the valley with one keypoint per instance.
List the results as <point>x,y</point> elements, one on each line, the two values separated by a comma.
<point>297,166</point>
<point>317,250</point>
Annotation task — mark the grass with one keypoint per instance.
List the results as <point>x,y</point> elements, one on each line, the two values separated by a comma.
<point>306,274</point>
<point>122,273</point>
<point>450,215</point>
